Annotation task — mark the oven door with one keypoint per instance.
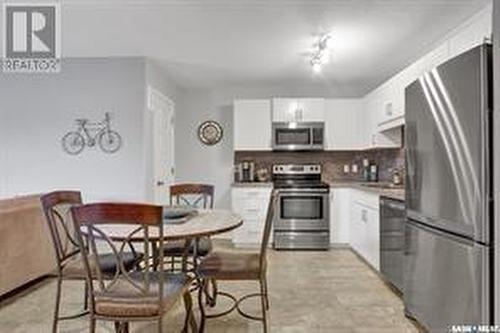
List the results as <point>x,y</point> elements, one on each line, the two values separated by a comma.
<point>302,210</point>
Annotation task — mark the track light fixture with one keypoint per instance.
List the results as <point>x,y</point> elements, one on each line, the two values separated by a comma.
<point>321,53</point>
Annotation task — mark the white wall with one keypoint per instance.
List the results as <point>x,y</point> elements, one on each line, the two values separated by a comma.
<point>37,110</point>
<point>40,109</point>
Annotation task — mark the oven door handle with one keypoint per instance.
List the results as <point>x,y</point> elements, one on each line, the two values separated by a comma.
<point>302,190</point>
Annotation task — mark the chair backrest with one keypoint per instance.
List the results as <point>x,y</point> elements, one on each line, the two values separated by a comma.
<point>56,207</point>
<point>194,195</point>
<point>267,230</point>
<point>145,223</point>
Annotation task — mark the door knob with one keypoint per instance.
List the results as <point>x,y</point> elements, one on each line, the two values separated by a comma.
<point>160,183</point>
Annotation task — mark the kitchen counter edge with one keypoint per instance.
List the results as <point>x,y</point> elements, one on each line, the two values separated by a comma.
<point>398,194</point>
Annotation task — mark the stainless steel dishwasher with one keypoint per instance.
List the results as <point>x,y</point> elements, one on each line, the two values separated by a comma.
<point>392,240</point>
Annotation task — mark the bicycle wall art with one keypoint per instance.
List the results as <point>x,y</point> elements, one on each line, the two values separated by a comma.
<point>88,134</point>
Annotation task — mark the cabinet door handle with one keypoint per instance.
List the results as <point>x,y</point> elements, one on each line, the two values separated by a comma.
<point>363,215</point>
<point>252,210</point>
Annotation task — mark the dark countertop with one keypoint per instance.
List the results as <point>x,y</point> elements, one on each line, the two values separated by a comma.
<point>385,189</point>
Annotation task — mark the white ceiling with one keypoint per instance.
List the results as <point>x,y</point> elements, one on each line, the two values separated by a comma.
<point>214,42</point>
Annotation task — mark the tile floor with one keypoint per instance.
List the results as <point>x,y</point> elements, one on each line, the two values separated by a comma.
<point>309,292</point>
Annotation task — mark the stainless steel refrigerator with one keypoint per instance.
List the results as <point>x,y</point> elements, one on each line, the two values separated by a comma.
<point>449,193</point>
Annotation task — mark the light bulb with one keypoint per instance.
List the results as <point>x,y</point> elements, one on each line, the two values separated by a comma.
<point>327,40</point>
<point>324,56</point>
<point>316,66</point>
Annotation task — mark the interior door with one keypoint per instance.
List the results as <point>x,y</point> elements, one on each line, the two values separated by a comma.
<point>447,136</point>
<point>163,145</point>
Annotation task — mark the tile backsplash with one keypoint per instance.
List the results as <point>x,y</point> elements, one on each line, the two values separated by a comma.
<point>332,161</point>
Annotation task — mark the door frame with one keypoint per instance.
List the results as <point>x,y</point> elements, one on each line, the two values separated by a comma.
<point>155,101</point>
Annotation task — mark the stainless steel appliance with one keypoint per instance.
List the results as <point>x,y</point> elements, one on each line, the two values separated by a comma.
<point>298,135</point>
<point>449,197</point>
<point>302,218</point>
<point>392,240</point>
<point>245,171</point>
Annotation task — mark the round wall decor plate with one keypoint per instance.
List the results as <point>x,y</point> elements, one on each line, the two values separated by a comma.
<point>210,132</point>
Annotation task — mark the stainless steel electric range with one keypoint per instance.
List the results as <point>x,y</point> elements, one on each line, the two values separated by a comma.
<point>302,218</point>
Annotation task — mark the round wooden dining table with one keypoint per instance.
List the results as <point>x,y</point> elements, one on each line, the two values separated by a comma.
<point>204,223</point>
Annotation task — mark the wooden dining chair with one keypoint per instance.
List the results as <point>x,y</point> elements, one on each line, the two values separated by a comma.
<point>197,196</point>
<point>229,266</point>
<point>67,250</point>
<point>144,295</point>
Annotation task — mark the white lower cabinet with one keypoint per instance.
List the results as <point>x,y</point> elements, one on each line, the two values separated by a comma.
<point>251,204</point>
<point>372,254</point>
<point>364,226</point>
<point>339,216</point>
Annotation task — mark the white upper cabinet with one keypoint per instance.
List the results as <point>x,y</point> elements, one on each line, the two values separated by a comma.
<point>375,105</point>
<point>298,109</point>
<point>478,30</point>
<point>252,124</point>
<point>386,104</point>
<point>346,126</point>
<point>389,106</point>
<point>285,109</point>
<point>312,109</point>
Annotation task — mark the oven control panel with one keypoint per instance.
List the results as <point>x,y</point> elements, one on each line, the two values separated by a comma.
<point>294,169</point>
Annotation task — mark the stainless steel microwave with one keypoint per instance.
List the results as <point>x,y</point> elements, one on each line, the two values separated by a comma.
<point>298,135</point>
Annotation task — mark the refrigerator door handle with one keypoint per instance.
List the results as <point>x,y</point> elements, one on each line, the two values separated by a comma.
<point>411,158</point>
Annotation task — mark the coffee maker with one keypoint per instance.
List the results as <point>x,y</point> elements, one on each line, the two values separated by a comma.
<point>245,172</point>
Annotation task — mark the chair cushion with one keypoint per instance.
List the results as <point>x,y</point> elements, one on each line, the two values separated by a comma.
<point>230,266</point>
<point>123,300</point>
<point>176,249</point>
<point>76,269</point>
